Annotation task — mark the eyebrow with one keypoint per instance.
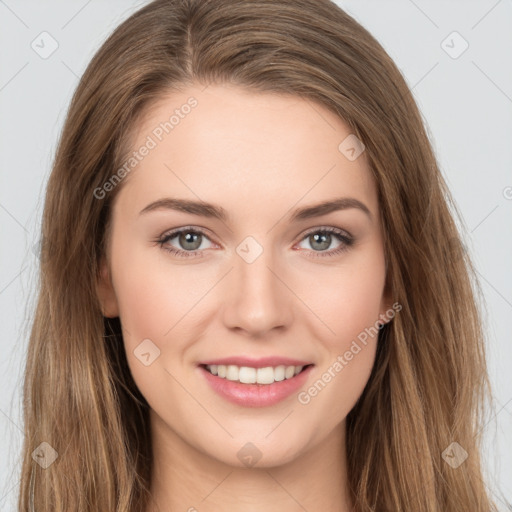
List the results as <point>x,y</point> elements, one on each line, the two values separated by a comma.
<point>205,209</point>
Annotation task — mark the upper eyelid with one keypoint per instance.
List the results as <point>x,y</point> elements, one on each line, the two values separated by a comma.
<point>327,228</point>
<point>174,232</point>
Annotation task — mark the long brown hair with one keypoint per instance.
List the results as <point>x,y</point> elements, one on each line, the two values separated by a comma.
<point>429,385</point>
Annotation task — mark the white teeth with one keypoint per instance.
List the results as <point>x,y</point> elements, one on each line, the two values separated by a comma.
<point>248,375</point>
<point>232,372</point>
<point>279,373</point>
<point>265,375</point>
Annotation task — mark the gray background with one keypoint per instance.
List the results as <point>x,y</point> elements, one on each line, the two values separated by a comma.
<point>466,101</point>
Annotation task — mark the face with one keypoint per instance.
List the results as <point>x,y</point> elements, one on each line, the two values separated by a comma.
<point>248,285</point>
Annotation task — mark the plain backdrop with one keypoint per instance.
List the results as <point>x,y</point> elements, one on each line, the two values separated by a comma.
<point>456,57</point>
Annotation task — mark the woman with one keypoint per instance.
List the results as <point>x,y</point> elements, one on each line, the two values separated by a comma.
<point>317,346</point>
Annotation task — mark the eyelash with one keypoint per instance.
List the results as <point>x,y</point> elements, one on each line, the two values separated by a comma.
<point>346,242</point>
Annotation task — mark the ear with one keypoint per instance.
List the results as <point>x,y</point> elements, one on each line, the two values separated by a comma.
<point>105,291</point>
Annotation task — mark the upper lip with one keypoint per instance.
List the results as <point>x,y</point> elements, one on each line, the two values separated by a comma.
<point>261,362</point>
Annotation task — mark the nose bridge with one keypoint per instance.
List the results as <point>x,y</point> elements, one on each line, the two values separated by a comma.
<point>259,301</point>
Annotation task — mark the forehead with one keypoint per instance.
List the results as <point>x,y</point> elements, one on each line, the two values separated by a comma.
<point>233,146</point>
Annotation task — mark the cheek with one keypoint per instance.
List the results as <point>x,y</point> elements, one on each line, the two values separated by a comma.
<point>349,356</point>
<point>336,386</point>
<point>348,299</point>
<point>350,309</point>
<point>145,310</point>
<point>154,308</point>
<point>356,309</point>
<point>152,295</point>
<point>159,302</point>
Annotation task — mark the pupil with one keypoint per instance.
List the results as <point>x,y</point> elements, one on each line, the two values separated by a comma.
<point>326,240</point>
<point>188,238</point>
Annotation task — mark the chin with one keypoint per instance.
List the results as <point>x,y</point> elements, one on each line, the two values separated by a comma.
<point>258,453</point>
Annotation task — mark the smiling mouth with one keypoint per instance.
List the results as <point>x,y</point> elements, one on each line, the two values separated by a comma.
<point>249,375</point>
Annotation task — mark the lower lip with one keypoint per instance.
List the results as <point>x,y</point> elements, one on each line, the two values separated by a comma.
<point>256,395</point>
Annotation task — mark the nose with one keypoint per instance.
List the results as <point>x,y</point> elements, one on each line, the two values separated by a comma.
<point>257,298</point>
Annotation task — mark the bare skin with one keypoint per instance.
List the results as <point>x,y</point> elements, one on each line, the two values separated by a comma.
<point>260,157</point>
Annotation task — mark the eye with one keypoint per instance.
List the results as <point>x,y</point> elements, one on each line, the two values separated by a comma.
<point>190,239</point>
<point>322,238</point>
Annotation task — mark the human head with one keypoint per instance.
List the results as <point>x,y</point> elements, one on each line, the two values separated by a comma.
<point>314,51</point>
<point>244,292</point>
